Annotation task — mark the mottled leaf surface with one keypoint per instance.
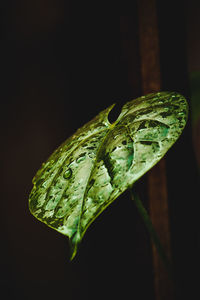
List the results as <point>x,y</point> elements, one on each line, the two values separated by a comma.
<point>101,160</point>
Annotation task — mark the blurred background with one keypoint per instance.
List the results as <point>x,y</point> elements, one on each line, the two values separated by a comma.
<point>63,62</point>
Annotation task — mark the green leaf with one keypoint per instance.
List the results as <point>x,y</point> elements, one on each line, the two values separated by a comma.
<point>101,160</point>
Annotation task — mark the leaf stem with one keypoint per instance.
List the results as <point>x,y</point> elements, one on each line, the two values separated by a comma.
<point>148,223</point>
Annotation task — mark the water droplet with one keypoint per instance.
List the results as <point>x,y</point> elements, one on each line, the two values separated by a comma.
<point>67,174</point>
<point>160,101</point>
<point>115,136</point>
<point>80,158</point>
<point>91,155</point>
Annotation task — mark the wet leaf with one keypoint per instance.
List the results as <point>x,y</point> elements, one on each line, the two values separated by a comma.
<point>101,160</point>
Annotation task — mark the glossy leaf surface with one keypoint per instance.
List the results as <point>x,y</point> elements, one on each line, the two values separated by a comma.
<point>101,160</point>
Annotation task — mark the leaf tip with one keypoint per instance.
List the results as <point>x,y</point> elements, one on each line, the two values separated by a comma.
<point>72,253</point>
<point>74,244</point>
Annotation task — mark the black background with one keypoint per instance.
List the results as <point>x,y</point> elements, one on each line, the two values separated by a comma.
<point>62,62</point>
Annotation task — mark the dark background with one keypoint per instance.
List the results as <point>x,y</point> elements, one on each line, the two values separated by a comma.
<point>63,62</point>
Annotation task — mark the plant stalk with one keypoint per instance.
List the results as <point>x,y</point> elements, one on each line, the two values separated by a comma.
<point>148,223</point>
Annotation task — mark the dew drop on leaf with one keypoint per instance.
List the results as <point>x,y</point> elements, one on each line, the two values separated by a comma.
<point>67,174</point>
<point>80,158</point>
